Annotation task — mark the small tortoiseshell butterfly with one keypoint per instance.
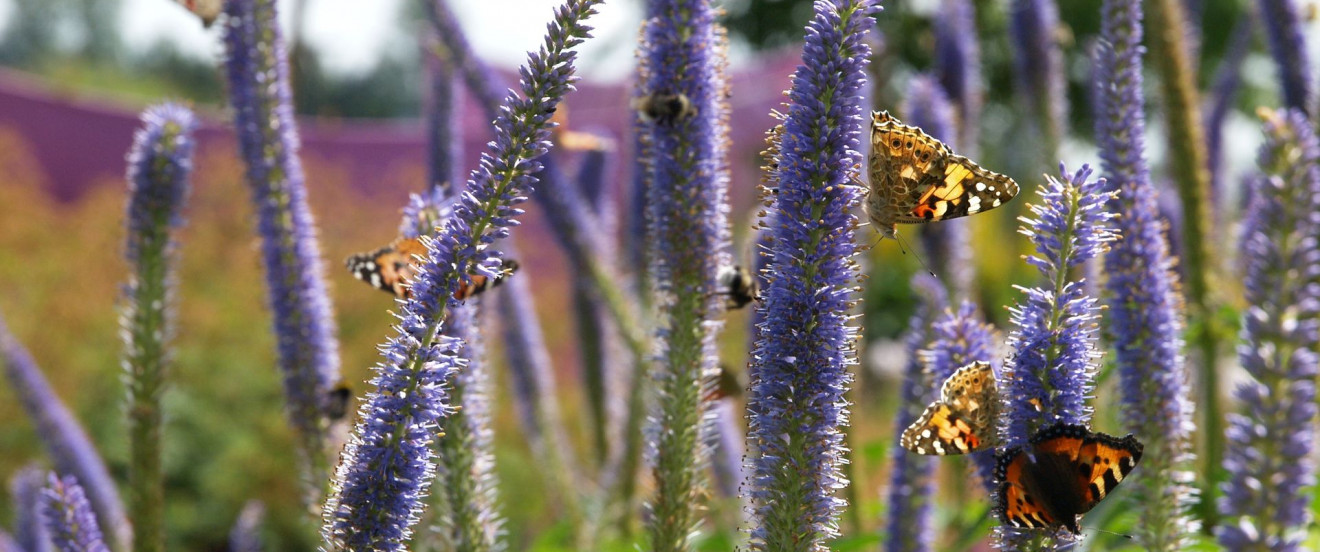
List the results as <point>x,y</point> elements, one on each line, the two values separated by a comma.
<point>739,285</point>
<point>392,268</point>
<point>916,178</point>
<point>1064,472</point>
<point>963,419</point>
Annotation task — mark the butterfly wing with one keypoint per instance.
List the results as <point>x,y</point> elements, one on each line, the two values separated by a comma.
<point>1018,504</point>
<point>963,418</point>
<point>478,283</point>
<point>1074,469</point>
<point>955,187</point>
<point>389,268</point>
<point>1101,461</point>
<point>916,178</point>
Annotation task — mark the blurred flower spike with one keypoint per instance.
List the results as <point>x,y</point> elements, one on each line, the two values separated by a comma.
<point>69,519</point>
<point>1270,461</point>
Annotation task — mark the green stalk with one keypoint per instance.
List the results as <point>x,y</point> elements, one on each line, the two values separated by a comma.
<point>144,358</point>
<point>156,179</point>
<point>1188,164</point>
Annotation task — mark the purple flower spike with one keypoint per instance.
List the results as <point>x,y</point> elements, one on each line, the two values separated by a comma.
<point>257,72</point>
<point>1270,460</point>
<point>958,69</point>
<point>66,442</point>
<point>1223,96</point>
<point>948,244</point>
<point>483,83</point>
<point>29,527</point>
<point>726,443</point>
<point>158,168</point>
<point>1033,26</point>
<point>1284,32</point>
<point>8,544</point>
<point>386,468</point>
<point>69,518</point>
<point>960,338</point>
<point>799,366</point>
<point>1052,369</point>
<point>603,366</point>
<point>444,129</point>
<point>531,374</point>
<point>687,206</point>
<point>1053,340</point>
<point>245,536</point>
<point>912,480</point>
<point>1143,289</point>
<point>466,506</point>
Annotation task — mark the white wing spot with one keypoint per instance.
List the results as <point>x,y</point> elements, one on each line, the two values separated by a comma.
<point>980,186</point>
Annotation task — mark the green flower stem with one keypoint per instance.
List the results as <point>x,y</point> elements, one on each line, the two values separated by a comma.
<point>159,164</point>
<point>1189,167</point>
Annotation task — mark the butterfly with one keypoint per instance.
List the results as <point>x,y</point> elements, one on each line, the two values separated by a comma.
<point>392,268</point>
<point>739,286</point>
<point>564,137</point>
<point>206,10</point>
<point>962,419</point>
<point>916,178</point>
<point>1064,472</point>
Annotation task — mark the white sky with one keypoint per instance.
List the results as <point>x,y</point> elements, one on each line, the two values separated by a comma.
<point>352,34</point>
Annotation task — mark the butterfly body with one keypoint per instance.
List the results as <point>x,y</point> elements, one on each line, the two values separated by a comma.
<point>962,419</point>
<point>1061,474</point>
<point>393,267</point>
<point>915,178</point>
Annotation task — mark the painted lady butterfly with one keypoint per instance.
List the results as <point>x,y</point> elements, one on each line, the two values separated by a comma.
<point>916,178</point>
<point>564,137</point>
<point>392,267</point>
<point>1064,472</point>
<point>739,285</point>
<point>206,10</point>
<point>963,419</point>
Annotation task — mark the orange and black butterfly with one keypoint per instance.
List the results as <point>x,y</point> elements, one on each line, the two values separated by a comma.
<point>1061,474</point>
<point>392,268</point>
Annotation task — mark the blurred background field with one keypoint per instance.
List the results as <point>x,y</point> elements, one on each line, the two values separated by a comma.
<point>69,98</point>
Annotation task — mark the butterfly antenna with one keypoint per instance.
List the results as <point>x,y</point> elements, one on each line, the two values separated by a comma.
<point>903,246</point>
<point>1124,535</point>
